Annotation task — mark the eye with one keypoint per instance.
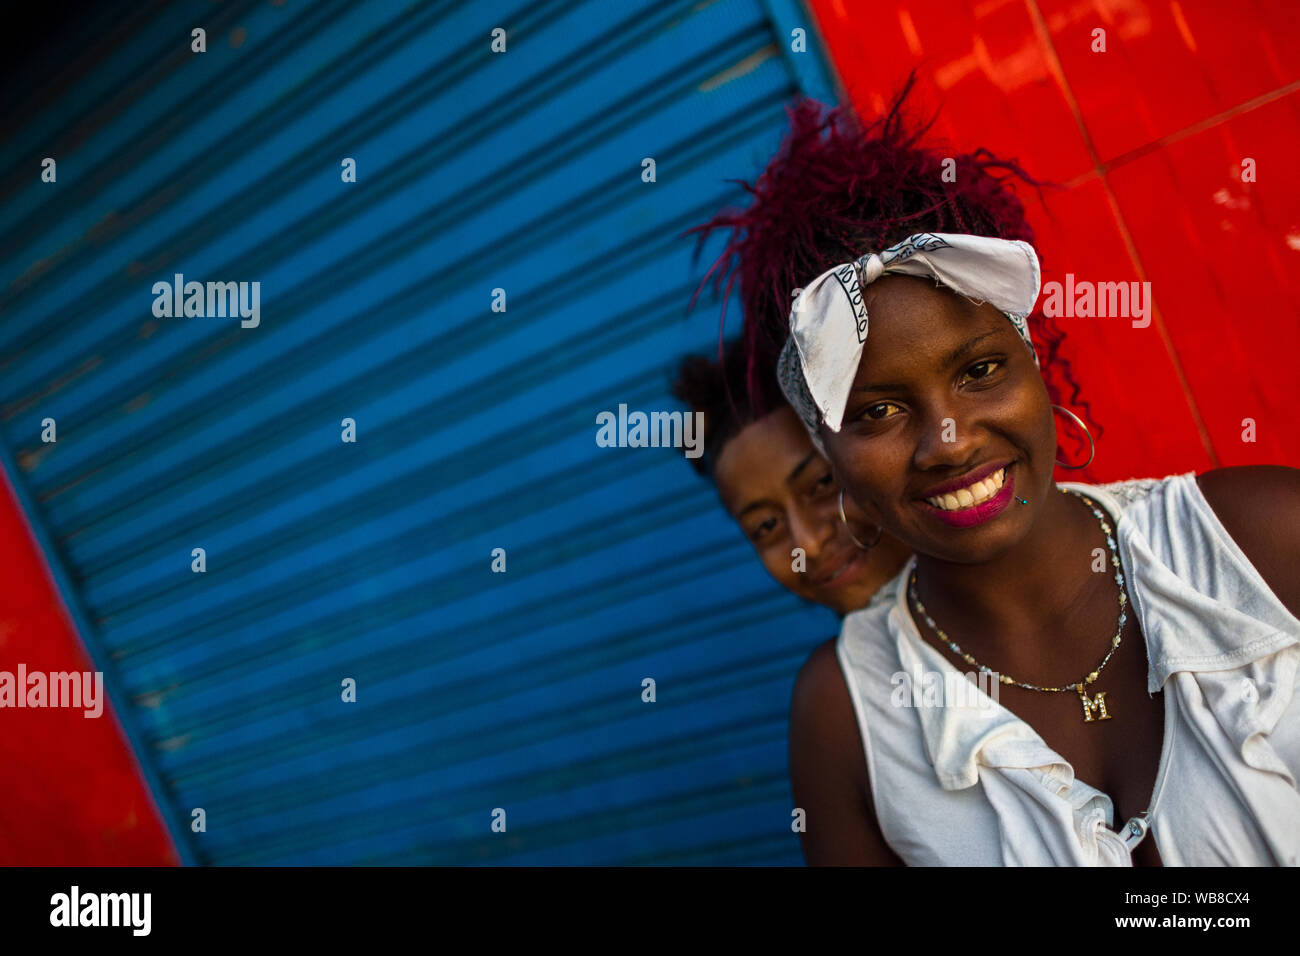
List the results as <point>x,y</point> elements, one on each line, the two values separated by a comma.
<point>870,411</point>
<point>988,365</point>
<point>823,484</point>
<point>763,529</point>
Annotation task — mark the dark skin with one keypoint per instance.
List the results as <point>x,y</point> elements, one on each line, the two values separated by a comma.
<point>780,490</point>
<point>1018,591</point>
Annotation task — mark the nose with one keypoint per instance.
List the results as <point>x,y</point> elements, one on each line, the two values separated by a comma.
<point>944,440</point>
<point>813,530</point>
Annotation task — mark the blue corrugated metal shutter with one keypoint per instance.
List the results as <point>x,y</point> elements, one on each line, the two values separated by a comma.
<point>475,429</point>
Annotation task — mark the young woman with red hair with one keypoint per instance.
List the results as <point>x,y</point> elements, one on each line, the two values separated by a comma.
<point>1143,635</point>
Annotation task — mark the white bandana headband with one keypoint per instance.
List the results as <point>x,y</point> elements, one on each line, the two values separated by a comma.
<point>828,321</point>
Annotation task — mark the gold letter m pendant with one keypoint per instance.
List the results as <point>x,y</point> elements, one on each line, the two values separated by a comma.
<point>1098,704</point>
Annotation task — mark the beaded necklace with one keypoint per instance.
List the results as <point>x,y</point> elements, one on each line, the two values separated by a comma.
<point>1090,705</point>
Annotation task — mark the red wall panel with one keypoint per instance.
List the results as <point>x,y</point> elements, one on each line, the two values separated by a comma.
<point>1147,140</point>
<point>70,791</point>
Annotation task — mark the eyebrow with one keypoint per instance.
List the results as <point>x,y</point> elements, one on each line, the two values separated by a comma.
<point>953,357</point>
<point>789,478</point>
<point>800,467</point>
<point>965,349</point>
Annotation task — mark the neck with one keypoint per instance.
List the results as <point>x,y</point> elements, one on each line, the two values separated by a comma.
<point>1031,589</point>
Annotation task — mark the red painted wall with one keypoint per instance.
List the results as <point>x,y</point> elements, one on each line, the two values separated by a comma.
<point>1148,138</point>
<point>70,791</point>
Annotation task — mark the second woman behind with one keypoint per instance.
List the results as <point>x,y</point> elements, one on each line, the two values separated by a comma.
<point>779,488</point>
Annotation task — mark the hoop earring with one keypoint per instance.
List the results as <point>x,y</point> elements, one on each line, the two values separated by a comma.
<point>1092,447</point>
<point>864,547</point>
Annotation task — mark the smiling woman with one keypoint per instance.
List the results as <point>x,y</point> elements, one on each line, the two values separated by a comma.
<point>779,488</point>
<point>936,355</point>
<point>1144,634</point>
<point>944,397</point>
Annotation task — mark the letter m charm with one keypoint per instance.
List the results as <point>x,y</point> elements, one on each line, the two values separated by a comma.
<point>1097,704</point>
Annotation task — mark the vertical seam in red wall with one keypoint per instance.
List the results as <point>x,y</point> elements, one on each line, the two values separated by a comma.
<point>1049,49</point>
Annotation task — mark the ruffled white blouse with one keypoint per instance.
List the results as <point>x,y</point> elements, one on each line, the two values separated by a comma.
<point>964,782</point>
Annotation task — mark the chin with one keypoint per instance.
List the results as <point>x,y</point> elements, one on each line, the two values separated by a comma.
<point>847,600</point>
<point>977,548</point>
<point>839,607</point>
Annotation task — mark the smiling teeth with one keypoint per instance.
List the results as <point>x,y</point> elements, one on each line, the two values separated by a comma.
<point>971,495</point>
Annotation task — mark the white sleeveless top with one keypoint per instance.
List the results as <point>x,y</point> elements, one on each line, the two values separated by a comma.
<point>966,785</point>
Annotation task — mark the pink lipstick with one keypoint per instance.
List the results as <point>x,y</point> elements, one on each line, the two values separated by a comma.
<point>978,513</point>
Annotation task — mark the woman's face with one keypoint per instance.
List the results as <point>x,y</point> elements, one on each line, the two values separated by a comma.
<point>780,491</point>
<point>946,392</point>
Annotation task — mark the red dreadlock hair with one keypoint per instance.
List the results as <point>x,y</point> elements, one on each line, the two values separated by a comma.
<point>823,200</point>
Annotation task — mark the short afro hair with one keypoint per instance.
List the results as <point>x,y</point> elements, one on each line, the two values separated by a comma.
<point>720,389</point>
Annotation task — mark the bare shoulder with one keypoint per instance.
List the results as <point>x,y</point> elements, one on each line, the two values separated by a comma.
<point>823,711</point>
<point>1259,505</point>
<point>828,769</point>
<point>821,678</point>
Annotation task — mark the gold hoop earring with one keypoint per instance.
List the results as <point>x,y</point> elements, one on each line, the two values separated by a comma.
<point>864,547</point>
<point>1092,447</point>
